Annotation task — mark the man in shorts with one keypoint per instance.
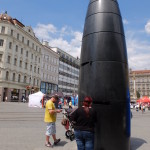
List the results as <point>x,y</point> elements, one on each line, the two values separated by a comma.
<point>50,119</point>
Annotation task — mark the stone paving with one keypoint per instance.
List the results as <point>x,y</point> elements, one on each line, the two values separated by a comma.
<point>23,128</point>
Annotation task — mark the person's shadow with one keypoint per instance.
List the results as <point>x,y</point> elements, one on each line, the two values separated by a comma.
<point>61,143</point>
<point>136,143</point>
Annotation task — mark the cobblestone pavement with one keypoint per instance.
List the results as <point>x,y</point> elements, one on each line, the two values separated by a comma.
<point>23,128</point>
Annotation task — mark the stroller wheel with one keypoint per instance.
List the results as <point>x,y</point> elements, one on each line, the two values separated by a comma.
<point>68,133</point>
<point>72,137</point>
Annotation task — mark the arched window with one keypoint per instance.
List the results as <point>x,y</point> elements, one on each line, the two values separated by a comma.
<point>7,75</point>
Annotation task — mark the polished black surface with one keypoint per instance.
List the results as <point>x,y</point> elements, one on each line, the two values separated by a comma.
<point>98,47</point>
<point>104,6</point>
<point>104,74</point>
<point>104,81</point>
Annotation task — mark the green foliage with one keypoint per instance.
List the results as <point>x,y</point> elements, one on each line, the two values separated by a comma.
<point>138,94</point>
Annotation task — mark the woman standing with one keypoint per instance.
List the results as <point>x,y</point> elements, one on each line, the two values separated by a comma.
<point>84,118</point>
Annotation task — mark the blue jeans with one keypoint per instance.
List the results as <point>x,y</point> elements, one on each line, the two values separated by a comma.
<point>84,139</point>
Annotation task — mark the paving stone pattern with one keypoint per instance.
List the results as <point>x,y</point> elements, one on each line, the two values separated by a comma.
<point>23,128</point>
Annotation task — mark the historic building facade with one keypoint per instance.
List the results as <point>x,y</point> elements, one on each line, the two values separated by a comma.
<point>68,73</point>
<point>49,70</point>
<point>20,59</point>
<point>27,65</point>
<point>139,83</point>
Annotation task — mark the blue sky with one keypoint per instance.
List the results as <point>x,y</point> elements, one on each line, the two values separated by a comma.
<point>61,23</point>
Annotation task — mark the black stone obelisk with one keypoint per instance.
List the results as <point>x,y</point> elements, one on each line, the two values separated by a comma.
<point>104,74</point>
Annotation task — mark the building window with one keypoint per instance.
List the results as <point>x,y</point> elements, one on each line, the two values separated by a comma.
<point>30,67</point>
<point>28,42</point>
<point>19,77</point>
<point>38,70</point>
<point>33,45</point>
<point>3,30</point>
<point>15,61</point>
<point>35,58</point>
<point>20,65</point>
<point>7,75</point>
<point>1,55</point>
<point>25,78</point>
<point>18,36</point>
<point>30,80</point>
<point>1,42</point>
<point>37,82</point>
<point>21,50</point>
<point>26,53</point>
<point>10,45</point>
<point>36,48</point>
<point>39,60</point>
<point>63,55</point>
<point>13,77</point>
<point>26,65</point>
<point>35,69</point>
<point>8,59</point>
<point>12,32</point>
<point>22,39</point>
<point>34,81</point>
<point>16,48</point>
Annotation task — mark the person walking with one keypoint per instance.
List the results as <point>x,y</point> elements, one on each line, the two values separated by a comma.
<point>50,119</point>
<point>84,119</point>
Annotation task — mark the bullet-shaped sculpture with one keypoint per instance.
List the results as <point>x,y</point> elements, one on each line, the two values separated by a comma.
<point>104,74</point>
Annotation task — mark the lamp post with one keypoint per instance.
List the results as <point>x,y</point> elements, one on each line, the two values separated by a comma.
<point>134,85</point>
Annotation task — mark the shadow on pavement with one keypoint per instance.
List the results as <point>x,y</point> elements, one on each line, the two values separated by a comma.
<point>62,143</point>
<point>136,143</point>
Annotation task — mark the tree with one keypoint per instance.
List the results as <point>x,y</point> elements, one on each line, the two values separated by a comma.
<point>138,94</point>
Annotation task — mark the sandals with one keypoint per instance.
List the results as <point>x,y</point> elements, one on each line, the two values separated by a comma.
<point>48,144</point>
<point>57,141</point>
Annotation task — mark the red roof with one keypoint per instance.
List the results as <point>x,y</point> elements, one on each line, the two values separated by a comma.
<point>140,72</point>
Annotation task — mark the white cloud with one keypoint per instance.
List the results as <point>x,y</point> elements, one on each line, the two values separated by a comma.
<point>125,21</point>
<point>43,31</point>
<point>147,27</point>
<point>64,38</point>
<point>70,41</point>
<point>138,52</point>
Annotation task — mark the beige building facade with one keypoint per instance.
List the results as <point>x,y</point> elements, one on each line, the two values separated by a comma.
<point>139,83</point>
<point>49,69</point>
<point>27,65</point>
<point>20,59</point>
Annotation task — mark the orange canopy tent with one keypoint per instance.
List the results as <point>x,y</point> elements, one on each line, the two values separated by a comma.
<point>144,99</point>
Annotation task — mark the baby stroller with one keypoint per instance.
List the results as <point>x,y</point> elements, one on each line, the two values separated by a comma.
<point>68,124</point>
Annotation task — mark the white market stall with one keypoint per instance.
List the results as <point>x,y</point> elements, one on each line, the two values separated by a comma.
<point>35,99</point>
